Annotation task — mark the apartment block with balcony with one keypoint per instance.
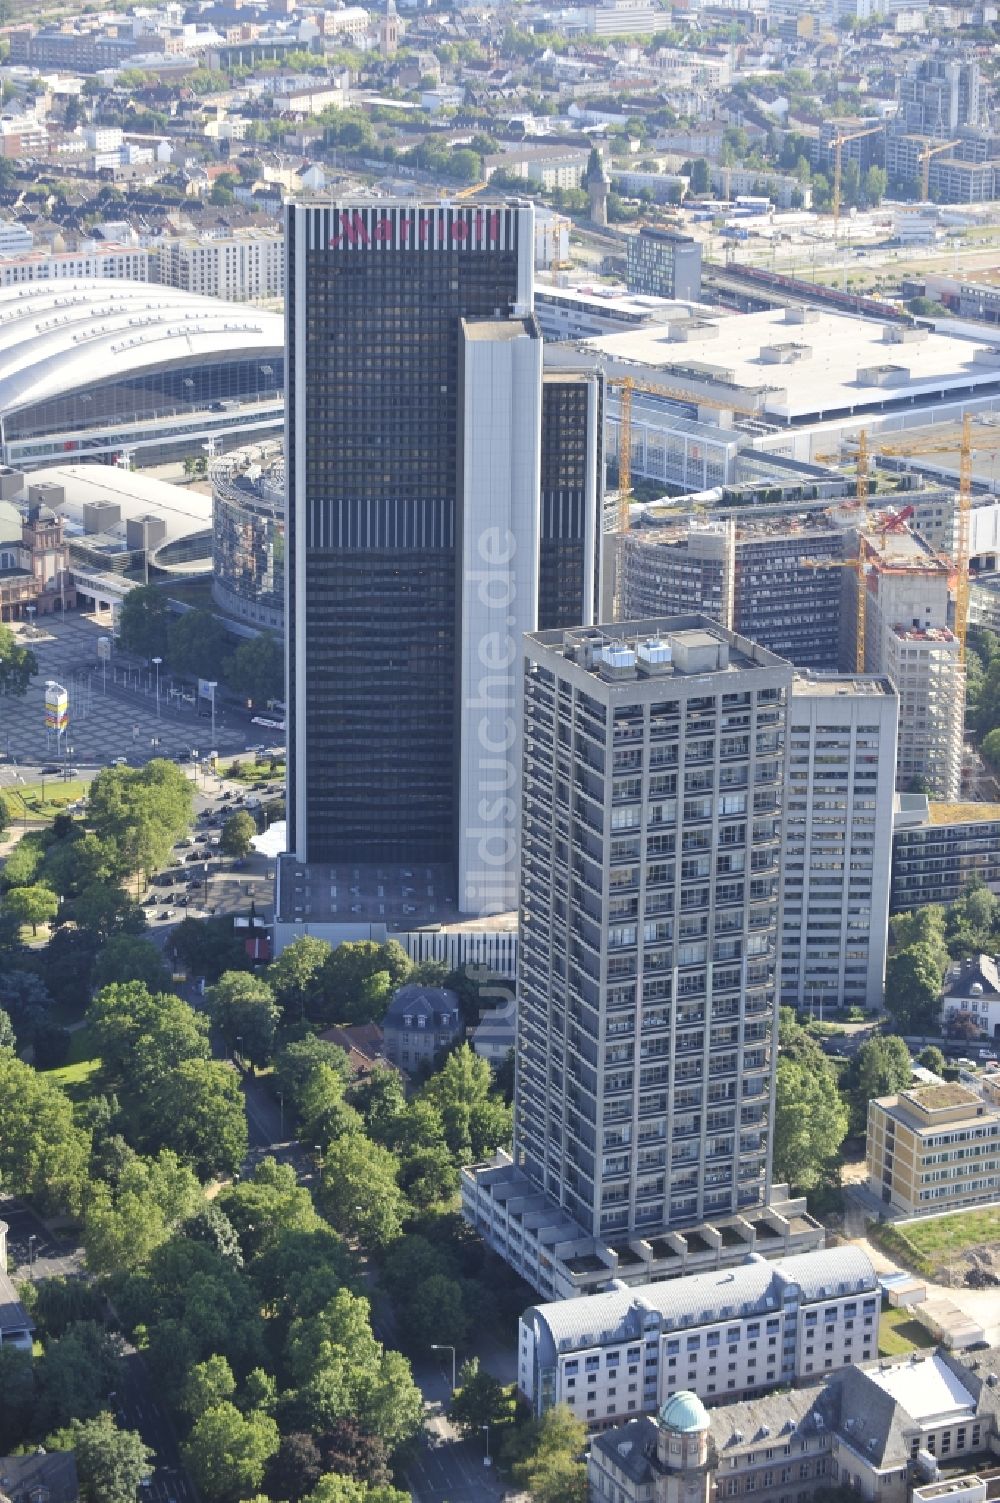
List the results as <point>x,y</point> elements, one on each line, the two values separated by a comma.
<point>652,807</point>
<point>838,840</point>
<point>934,1148</point>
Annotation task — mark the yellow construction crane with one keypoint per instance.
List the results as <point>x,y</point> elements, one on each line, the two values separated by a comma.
<point>468,192</point>
<point>626,385</point>
<point>925,164</point>
<point>858,565</point>
<point>960,550</point>
<point>838,143</point>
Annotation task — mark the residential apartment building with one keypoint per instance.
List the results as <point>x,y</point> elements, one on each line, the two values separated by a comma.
<point>934,1148</point>
<point>938,94</point>
<point>838,840</point>
<point>653,778</point>
<point>664,264</point>
<point>244,265</point>
<point>935,859</point>
<point>877,1431</point>
<point>720,1335</point>
<point>765,577</point>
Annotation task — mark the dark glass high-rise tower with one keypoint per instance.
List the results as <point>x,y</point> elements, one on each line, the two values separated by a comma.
<point>442,499</point>
<point>376,295</point>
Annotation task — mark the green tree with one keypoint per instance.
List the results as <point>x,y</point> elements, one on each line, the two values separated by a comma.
<point>208,947</point>
<point>104,909</point>
<point>238,833</point>
<point>881,1068</point>
<point>32,905</point>
<point>18,665</point>
<point>196,644</point>
<point>128,958</point>
<point>551,1470</point>
<point>351,981</point>
<point>257,669</point>
<point>480,1400</point>
<point>931,1058</point>
<point>127,1222</point>
<point>8,1038</point>
<point>243,1008</point>
<point>141,812</point>
<point>990,747</point>
<point>17,1397</point>
<point>700,181</point>
<point>74,1376</point>
<point>339,1489</point>
<point>810,1123</point>
<point>208,1383</point>
<point>24,863</point>
<point>198,1111</point>
<point>296,977</point>
<point>43,1154</point>
<point>298,1062</point>
<point>913,980</point>
<point>227,1452</point>
<point>876,183</point>
<point>360,1194</point>
<point>111,1463</point>
<point>266,1206</point>
<point>143,622</point>
<point>475,1120</point>
<point>141,1036</point>
<point>923,926</point>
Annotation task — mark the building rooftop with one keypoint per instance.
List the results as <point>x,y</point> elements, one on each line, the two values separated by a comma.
<point>827,378</point>
<point>58,337</point>
<point>811,682</point>
<point>927,1389</point>
<point>749,1288</point>
<point>942,813</point>
<point>662,647</point>
<point>940,1098</point>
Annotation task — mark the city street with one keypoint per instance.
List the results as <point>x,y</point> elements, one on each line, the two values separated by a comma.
<point>44,1257</point>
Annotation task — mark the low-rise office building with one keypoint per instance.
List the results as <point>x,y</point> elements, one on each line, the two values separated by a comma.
<point>934,1148</point>
<point>973,986</point>
<point>880,1431</point>
<point>418,1022</point>
<point>663,263</point>
<point>721,1335</point>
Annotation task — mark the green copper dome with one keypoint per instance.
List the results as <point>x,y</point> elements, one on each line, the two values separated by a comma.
<point>684,1412</point>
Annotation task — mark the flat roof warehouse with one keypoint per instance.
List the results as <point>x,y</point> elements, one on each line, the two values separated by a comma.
<point>840,364</point>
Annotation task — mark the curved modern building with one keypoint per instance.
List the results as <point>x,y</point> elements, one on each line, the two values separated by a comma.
<point>248,534</point>
<point>100,368</point>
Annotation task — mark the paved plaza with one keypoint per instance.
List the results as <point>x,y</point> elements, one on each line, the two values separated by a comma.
<point>112,714</point>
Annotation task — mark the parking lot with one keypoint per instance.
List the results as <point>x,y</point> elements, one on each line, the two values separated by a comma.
<point>113,712</point>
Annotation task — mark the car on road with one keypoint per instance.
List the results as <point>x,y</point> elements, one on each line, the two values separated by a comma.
<point>51,772</point>
<point>167,913</point>
<point>194,856</point>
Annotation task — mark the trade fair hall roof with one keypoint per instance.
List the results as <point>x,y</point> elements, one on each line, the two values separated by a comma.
<point>67,335</point>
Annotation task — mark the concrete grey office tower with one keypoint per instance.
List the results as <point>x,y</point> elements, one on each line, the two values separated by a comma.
<point>442,500</point>
<point>653,787</point>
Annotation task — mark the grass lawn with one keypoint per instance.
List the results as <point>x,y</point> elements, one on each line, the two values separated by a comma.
<point>81,1064</point>
<point>900,1332</point>
<point>57,795</point>
<point>943,1237</point>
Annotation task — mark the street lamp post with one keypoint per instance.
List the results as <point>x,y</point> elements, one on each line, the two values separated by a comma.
<point>213,686</point>
<point>486,1458</point>
<point>31,1255</point>
<point>157,662</point>
<point>239,1047</point>
<point>444,1347</point>
<point>281,1109</point>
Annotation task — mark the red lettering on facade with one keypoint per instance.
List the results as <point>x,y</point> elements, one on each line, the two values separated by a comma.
<point>383,229</point>
<point>459,230</point>
<point>352,229</point>
<point>424,226</point>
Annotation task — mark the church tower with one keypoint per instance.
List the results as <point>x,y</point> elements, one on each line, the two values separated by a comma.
<point>389,30</point>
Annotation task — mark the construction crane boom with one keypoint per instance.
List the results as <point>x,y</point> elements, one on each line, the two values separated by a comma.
<point>961,544</point>
<point>838,143</point>
<point>925,164</point>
